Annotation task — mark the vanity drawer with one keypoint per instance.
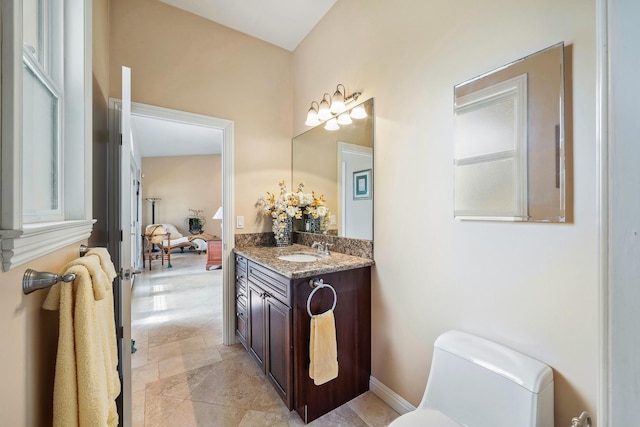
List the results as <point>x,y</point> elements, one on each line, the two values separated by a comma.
<point>241,296</point>
<point>241,324</point>
<point>241,269</point>
<point>271,281</point>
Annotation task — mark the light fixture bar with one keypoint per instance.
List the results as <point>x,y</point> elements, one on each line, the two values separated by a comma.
<point>331,107</point>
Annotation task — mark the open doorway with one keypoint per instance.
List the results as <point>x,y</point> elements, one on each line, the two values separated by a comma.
<point>208,136</point>
<point>225,303</point>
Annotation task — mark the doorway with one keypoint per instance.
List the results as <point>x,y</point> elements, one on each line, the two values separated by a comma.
<point>225,128</point>
<point>118,240</point>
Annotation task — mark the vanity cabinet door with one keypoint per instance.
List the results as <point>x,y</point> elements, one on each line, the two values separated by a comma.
<point>279,350</point>
<point>256,329</point>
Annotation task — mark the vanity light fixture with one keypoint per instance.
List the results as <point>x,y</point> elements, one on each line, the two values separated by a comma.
<point>337,101</point>
<point>312,115</point>
<point>358,112</point>
<point>332,124</point>
<point>333,109</point>
<point>344,119</point>
<point>324,111</point>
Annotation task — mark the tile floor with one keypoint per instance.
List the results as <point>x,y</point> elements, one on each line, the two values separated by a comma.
<point>184,376</point>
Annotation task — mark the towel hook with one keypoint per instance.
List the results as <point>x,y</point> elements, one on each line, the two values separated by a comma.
<point>35,280</point>
<point>317,284</point>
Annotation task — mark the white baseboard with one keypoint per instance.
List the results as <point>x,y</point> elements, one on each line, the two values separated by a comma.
<point>390,397</point>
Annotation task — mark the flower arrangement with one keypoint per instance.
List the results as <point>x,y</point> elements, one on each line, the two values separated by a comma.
<point>286,206</point>
<point>314,206</point>
<point>195,221</point>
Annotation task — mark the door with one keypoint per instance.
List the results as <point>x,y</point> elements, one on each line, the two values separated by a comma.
<point>356,212</point>
<point>278,360</point>
<point>127,228</point>
<point>255,336</point>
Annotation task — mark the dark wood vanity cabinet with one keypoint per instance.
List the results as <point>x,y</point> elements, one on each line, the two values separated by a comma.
<point>278,334</point>
<point>353,334</point>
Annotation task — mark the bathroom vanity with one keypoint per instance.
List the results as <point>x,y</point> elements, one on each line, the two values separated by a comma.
<point>273,324</point>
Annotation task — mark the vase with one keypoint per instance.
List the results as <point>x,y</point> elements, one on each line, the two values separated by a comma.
<point>284,236</point>
<point>311,224</point>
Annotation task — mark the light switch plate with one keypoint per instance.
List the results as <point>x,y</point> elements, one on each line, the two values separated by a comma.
<point>240,221</point>
<point>332,219</point>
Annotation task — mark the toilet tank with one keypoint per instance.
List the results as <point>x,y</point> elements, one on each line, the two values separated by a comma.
<point>479,383</point>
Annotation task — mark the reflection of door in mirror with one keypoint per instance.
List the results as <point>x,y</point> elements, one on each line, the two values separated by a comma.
<point>314,163</point>
<point>509,141</point>
<point>355,192</point>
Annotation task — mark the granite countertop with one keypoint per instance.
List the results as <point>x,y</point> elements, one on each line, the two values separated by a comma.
<point>267,256</point>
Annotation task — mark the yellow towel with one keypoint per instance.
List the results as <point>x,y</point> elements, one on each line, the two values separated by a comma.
<point>105,262</point>
<point>86,381</point>
<point>98,282</point>
<point>323,349</point>
<point>109,343</point>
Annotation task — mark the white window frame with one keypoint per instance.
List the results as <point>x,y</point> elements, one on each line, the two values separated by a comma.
<point>39,215</point>
<point>19,242</point>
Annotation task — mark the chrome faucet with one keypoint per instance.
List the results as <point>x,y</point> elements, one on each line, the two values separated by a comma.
<point>323,248</point>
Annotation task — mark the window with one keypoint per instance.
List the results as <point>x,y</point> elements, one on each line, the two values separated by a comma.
<point>46,127</point>
<point>42,112</point>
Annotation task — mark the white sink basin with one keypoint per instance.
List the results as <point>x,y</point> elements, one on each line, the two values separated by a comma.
<point>300,257</point>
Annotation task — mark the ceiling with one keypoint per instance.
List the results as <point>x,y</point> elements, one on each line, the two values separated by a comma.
<point>284,23</point>
<point>157,137</point>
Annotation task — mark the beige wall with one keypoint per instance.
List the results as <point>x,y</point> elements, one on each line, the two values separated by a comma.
<point>184,62</point>
<point>530,286</point>
<point>183,183</point>
<point>28,345</point>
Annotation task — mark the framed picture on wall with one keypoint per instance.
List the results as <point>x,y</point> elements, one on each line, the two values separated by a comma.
<point>362,184</point>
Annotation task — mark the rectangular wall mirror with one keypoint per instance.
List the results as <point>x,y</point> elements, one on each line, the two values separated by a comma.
<point>509,155</point>
<point>339,164</point>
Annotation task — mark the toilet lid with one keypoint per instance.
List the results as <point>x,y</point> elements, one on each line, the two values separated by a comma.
<point>424,418</point>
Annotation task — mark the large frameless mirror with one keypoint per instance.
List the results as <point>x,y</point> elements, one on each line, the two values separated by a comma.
<point>339,165</point>
<point>509,154</point>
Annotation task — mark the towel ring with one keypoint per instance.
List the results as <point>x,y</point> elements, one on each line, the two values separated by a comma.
<point>319,285</point>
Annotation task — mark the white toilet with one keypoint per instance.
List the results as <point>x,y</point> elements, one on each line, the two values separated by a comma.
<point>475,382</point>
